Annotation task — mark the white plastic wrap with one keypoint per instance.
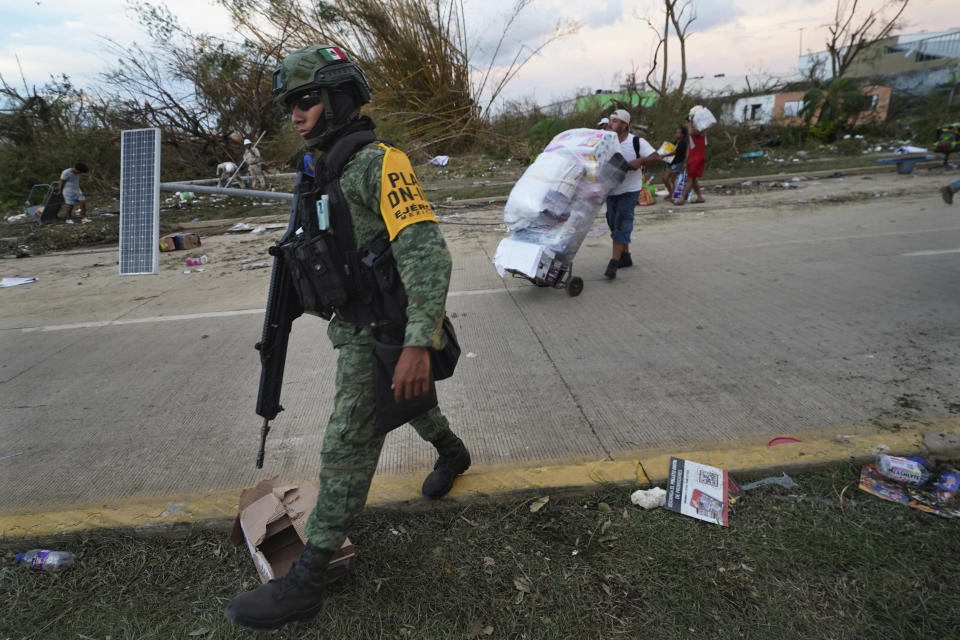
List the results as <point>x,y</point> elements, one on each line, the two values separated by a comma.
<point>702,118</point>
<point>556,200</point>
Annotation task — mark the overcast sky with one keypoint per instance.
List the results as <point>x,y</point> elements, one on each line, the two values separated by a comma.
<point>731,37</point>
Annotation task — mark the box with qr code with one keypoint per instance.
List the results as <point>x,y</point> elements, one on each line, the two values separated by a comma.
<point>699,491</point>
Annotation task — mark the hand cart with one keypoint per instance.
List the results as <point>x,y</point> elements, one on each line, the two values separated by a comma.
<point>560,278</point>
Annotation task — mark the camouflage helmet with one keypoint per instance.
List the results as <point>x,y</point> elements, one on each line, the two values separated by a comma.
<point>317,67</point>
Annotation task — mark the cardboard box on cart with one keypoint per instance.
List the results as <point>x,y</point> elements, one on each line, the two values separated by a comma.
<point>272,521</point>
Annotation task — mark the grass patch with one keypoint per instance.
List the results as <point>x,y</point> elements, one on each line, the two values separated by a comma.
<point>793,564</point>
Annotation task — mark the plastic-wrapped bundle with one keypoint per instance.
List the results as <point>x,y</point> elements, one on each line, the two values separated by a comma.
<point>556,200</point>
<point>702,118</point>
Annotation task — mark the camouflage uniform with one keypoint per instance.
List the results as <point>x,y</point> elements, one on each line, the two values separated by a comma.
<point>254,163</point>
<point>352,442</point>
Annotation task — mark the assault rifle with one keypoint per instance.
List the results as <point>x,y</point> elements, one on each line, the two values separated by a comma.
<point>283,307</point>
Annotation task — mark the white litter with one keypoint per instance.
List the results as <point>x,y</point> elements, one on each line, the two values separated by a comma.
<point>12,282</point>
<point>649,498</point>
<point>439,161</point>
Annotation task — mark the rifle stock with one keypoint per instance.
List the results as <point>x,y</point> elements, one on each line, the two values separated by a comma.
<point>283,307</point>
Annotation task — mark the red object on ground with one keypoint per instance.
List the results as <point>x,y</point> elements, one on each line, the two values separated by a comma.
<point>782,440</point>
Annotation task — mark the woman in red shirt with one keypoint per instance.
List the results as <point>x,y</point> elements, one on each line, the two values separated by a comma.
<point>696,159</point>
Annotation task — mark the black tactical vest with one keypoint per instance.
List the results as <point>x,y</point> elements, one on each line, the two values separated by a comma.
<point>329,273</point>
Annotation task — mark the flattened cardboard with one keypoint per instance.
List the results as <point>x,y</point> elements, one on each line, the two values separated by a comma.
<point>272,522</point>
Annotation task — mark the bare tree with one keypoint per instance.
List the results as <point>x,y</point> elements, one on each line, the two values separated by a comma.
<point>850,33</point>
<point>679,14</point>
<point>193,86</point>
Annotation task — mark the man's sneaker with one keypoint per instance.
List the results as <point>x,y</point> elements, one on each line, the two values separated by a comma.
<point>947,194</point>
<point>453,461</point>
<point>625,260</point>
<point>611,271</point>
<point>294,597</point>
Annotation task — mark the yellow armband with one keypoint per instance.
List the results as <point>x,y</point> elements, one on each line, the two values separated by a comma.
<point>402,202</point>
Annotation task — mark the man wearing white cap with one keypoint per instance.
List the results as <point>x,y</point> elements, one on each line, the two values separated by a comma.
<point>604,124</point>
<point>251,156</point>
<point>622,201</point>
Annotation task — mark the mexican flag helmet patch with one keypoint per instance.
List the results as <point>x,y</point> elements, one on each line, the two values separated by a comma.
<point>332,54</point>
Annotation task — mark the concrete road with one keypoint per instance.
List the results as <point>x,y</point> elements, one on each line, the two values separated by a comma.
<point>754,319</point>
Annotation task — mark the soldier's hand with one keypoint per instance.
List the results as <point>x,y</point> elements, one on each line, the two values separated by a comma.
<point>411,378</point>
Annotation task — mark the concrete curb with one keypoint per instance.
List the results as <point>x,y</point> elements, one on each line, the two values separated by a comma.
<point>744,456</point>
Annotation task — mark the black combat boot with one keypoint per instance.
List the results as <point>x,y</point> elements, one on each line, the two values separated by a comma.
<point>625,260</point>
<point>294,597</point>
<point>453,461</point>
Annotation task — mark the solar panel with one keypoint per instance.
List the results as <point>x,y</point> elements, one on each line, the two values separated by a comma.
<point>139,201</point>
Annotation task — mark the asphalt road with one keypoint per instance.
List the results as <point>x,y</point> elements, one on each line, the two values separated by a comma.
<point>733,322</point>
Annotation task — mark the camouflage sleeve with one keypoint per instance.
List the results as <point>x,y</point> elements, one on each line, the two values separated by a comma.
<point>423,259</point>
<point>424,264</point>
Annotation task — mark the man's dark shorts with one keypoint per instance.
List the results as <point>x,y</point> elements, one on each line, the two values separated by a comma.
<point>620,210</point>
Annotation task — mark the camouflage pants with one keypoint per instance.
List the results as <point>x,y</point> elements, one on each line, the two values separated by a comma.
<point>351,444</point>
<point>256,177</point>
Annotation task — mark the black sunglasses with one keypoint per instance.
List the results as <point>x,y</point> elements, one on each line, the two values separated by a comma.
<point>305,102</point>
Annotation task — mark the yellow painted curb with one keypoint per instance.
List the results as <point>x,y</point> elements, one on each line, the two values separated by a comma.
<point>745,455</point>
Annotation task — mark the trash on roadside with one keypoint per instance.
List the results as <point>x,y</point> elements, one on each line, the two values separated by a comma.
<point>700,491</point>
<point>782,480</point>
<point>179,241</point>
<point>905,149</point>
<point>936,494</point>
<point>11,455</point>
<point>439,161</point>
<point>12,282</point>
<point>752,154</point>
<point>539,504</point>
<point>782,440</point>
<point>254,265</point>
<point>649,498</point>
<point>906,470</point>
<point>46,560</point>
<point>272,521</point>
<point>195,262</point>
<point>240,227</point>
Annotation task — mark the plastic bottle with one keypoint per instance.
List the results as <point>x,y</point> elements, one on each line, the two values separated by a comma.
<point>46,560</point>
<point>196,262</point>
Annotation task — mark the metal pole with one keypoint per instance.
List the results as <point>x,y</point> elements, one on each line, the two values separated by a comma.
<point>225,191</point>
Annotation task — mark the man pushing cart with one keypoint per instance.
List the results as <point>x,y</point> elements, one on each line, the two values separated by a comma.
<point>554,204</point>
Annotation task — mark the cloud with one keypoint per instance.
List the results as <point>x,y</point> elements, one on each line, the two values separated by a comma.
<point>610,14</point>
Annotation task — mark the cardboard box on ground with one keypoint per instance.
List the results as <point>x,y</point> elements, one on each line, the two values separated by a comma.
<point>179,241</point>
<point>272,520</point>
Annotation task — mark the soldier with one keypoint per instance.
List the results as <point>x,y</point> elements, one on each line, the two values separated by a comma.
<point>251,156</point>
<point>324,91</point>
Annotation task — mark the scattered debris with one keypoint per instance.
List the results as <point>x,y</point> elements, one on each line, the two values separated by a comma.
<point>539,504</point>
<point>254,265</point>
<point>700,491</point>
<point>931,495</point>
<point>13,282</point>
<point>783,480</point>
<point>782,440</point>
<point>649,498</point>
